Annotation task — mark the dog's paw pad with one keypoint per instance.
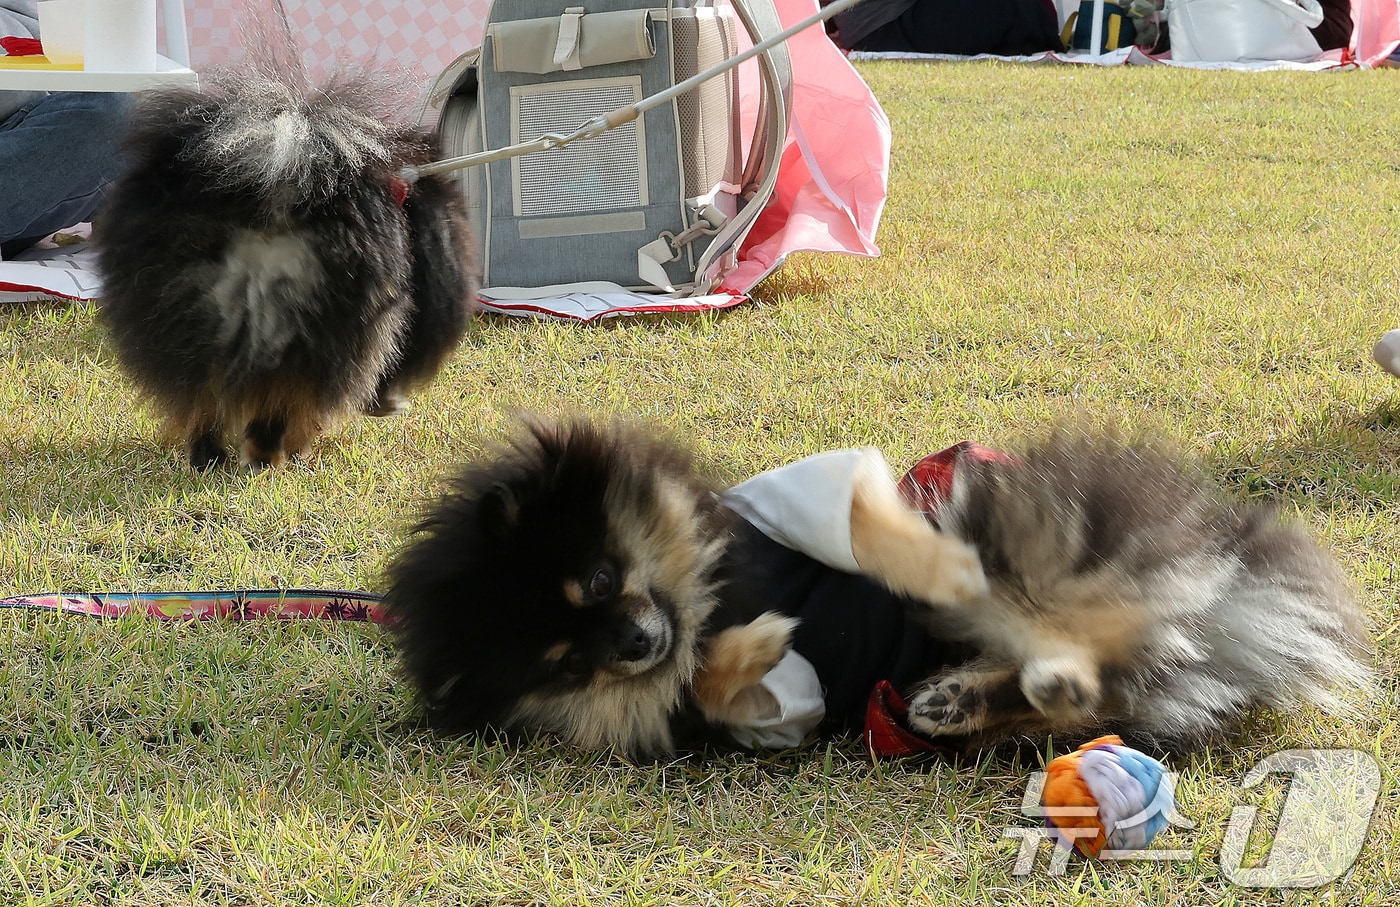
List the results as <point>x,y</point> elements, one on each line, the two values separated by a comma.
<point>945,694</point>
<point>947,707</point>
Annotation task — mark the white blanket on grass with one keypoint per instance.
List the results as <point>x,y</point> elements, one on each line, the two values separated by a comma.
<point>69,274</point>
<point>65,273</point>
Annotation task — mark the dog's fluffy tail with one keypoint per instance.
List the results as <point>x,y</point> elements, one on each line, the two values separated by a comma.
<point>265,269</point>
<point>278,138</point>
<point>302,180</point>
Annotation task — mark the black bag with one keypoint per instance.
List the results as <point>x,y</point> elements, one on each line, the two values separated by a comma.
<point>1118,29</point>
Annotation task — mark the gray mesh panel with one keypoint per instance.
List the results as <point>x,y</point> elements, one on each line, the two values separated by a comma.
<point>709,139</point>
<point>594,175</point>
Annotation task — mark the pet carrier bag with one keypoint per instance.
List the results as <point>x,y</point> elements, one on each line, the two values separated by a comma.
<point>660,203</point>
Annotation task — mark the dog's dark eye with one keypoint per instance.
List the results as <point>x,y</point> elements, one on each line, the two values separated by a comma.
<point>602,584</point>
<point>575,664</point>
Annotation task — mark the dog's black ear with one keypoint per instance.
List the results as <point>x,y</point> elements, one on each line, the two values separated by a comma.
<point>498,511</point>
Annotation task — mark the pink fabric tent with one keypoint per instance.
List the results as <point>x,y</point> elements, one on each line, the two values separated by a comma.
<point>1377,33</point>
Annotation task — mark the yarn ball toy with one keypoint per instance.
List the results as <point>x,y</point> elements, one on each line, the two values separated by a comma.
<point>1105,795</point>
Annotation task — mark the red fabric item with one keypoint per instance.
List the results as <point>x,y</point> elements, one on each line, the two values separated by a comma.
<point>885,733</point>
<point>22,47</point>
<point>929,482</point>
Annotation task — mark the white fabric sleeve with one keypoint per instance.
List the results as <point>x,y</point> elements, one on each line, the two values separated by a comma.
<point>806,506</point>
<point>795,711</point>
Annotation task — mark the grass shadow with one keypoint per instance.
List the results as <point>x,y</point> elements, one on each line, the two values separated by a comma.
<point>1345,458</point>
<point>49,473</point>
<point>793,280</point>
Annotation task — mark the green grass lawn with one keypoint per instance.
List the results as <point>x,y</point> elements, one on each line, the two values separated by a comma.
<point>1208,256</point>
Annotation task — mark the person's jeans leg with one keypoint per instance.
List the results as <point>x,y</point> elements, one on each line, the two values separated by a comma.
<point>57,156</point>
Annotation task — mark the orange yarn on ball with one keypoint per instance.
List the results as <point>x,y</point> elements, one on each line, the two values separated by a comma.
<point>1106,796</point>
<point>1068,792</point>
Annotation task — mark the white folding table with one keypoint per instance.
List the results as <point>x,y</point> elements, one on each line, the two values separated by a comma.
<point>171,71</point>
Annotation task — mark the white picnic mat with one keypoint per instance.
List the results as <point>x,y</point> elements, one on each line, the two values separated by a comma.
<point>51,271</point>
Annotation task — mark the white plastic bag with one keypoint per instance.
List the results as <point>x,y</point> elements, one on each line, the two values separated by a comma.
<point>1225,30</point>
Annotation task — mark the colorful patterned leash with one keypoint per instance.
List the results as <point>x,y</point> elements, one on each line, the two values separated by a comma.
<point>222,604</point>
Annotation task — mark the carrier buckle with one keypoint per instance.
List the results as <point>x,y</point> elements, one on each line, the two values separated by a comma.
<point>668,246</point>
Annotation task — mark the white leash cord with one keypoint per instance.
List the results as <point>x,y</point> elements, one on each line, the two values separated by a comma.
<point>601,124</point>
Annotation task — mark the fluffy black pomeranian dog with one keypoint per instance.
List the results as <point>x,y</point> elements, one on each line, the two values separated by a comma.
<point>267,272</point>
<point>584,580</point>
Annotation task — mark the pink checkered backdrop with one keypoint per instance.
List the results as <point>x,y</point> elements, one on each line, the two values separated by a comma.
<point>423,36</point>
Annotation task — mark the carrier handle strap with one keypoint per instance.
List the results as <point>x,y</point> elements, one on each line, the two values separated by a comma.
<point>604,122</point>
<point>760,175</point>
<point>760,17</point>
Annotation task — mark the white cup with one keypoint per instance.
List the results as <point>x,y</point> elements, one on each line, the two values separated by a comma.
<point>119,35</point>
<point>61,30</point>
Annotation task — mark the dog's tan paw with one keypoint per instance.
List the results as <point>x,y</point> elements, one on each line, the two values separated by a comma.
<point>769,636</point>
<point>1062,689</point>
<point>957,575</point>
<point>902,550</point>
<point>948,706</point>
<point>739,657</point>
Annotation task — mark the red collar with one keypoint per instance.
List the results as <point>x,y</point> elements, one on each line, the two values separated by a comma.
<point>398,190</point>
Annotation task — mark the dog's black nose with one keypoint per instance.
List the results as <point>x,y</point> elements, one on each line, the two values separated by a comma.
<point>634,644</point>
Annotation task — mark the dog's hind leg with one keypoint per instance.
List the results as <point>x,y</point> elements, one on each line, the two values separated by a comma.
<point>980,701</point>
<point>898,547</point>
<point>206,447</point>
<point>202,428</point>
<point>303,426</point>
<point>986,701</point>
<point>965,700</point>
<point>390,400</point>
<point>284,428</point>
<point>262,442</point>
